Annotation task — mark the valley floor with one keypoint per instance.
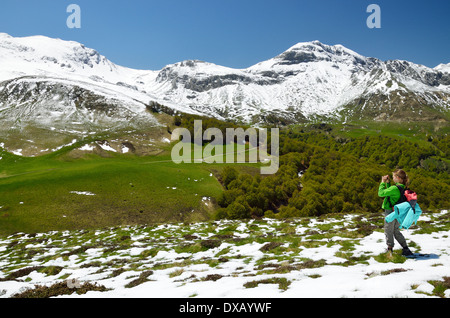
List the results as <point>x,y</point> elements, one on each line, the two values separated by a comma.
<point>331,257</point>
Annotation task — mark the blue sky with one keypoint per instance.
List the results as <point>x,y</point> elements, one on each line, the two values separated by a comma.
<point>236,33</point>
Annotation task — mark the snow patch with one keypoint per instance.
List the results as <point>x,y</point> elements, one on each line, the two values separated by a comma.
<point>105,146</point>
<point>83,193</point>
<point>87,147</point>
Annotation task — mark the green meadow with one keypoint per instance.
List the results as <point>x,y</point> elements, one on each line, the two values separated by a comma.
<point>56,192</point>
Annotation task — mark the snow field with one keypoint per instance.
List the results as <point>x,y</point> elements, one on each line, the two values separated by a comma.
<point>221,258</point>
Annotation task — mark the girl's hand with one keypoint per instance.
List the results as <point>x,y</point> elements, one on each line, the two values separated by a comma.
<point>385,179</point>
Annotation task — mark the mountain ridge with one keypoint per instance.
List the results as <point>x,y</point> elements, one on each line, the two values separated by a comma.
<point>307,80</point>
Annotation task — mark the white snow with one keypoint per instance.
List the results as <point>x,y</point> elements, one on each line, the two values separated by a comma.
<point>185,273</point>
<point>106,146</point>
<point>87,147</point>
<point>83,193</point>
<point>443,68</point>
<point>66,145</point>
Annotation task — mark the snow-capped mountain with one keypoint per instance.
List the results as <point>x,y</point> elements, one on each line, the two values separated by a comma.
<point>444,68</point>
<point>44,79</point>
<point>306,80</point>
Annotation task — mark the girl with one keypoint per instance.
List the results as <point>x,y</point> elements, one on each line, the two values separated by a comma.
<point>392,196</point>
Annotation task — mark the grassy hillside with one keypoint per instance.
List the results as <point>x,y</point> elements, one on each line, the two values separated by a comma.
<point>66,190</point>
<point>340,167</point>
<point>40,194</point>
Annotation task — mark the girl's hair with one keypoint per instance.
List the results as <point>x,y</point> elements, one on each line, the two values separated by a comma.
<point>402,175</point>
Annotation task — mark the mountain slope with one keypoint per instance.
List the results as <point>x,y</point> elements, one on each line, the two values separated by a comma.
<point>53,91</point>
<point>42,63</point>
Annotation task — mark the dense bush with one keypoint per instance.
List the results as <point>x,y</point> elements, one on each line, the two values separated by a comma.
<point>320,173</point>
